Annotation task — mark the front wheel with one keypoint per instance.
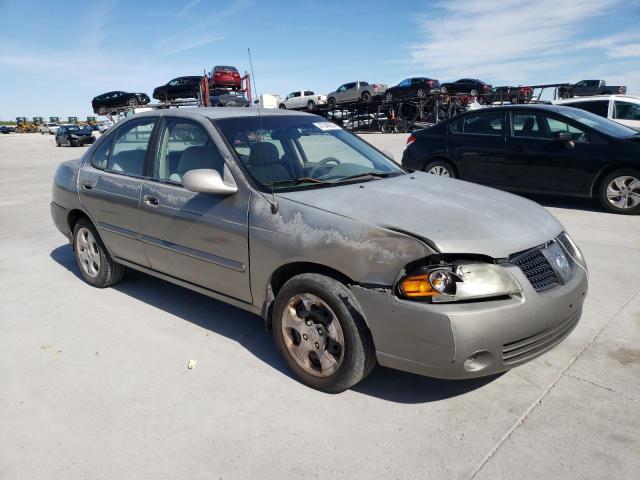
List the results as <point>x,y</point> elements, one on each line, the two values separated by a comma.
<point>441,168</point>
<point>332,102</point>
<point>96,265</point>
<point>311,106</point>
<point>132,102</point>
<point>321,333</point>
<point>619,192</point>
<point>365,97</point>
<point>282,106</point>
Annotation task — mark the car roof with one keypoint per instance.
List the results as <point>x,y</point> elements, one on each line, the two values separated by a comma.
<point>216,113</point>
<point>597,97</point>
<point>543,107</point>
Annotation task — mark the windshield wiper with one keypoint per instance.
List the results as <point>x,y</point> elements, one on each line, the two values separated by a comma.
<point>366,175</point>
<point>295,181</point>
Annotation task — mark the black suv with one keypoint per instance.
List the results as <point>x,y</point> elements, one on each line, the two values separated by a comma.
<point>181,87</point>
<point>112,100</point>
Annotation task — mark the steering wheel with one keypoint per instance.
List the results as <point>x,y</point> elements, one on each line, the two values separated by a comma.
<point>321,164</point>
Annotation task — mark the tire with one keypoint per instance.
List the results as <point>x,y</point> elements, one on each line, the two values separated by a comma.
<point>388,97</point>
<point>513,100</point>
<point>96,265</point>
<point>421,93</point>
<point>398,127</point>
<point>162,97</point>
<point>482,100</point>
<point>619,192</point>
<point>282,106</point>
<point>473,93</point>
<point>332,102</point>
<point>311,105</point>
<point>58,143</point>
<point>325,301</point>
<point>132,102</point>
<point>102,110</point>
<point>365,97</point>
<point>443,90</point>
<point>440,167</point>
<point>196,94</point>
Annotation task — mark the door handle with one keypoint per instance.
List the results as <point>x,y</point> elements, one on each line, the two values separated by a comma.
<point>151,201</point>
<point>87,185</point>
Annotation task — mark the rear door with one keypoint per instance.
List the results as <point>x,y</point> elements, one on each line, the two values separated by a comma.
<point>197,237</point>
<point>111,185</point>
<point>627,113</point>
<point>539,163</point>
<point>477,145</point>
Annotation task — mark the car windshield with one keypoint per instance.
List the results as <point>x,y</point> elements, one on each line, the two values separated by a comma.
<point>599,123</point>
<point>294,152</point>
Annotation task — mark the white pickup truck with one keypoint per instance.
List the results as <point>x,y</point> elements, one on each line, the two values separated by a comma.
<point>303,99</point>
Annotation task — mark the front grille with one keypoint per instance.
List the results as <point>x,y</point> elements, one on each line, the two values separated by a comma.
<point>536,268</point>
<point>533,345</point>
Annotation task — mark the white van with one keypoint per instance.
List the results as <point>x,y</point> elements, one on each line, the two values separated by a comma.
<point>624,109</point>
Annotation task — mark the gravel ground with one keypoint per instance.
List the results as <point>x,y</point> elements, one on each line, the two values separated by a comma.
<point>95,383</point>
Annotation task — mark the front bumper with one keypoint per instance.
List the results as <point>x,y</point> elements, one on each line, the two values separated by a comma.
<point>473,339</point>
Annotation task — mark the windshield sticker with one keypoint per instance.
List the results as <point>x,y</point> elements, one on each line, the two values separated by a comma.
<point>324,126</point>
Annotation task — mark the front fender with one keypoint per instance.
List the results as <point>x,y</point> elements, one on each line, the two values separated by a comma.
<point>365,253</point>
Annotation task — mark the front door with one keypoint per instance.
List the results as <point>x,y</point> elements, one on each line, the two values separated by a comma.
<point>537,162</point>
<point>111,186</point>
<point>478,146</point>
<point>197,237</point>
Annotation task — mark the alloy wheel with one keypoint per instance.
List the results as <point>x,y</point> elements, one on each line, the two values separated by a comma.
<point>439,170</point>
<point>312,335</point>
<point>624,192</point>
<point>88,252</point>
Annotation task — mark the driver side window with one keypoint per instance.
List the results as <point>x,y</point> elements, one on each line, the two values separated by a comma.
<point>184,145</point>
<point>559,126</point>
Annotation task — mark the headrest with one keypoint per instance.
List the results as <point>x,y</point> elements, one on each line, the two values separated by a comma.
<point>263,153</point>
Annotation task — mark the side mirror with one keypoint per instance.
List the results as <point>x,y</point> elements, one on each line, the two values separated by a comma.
<point>562,137</point>
<point>204,180</point>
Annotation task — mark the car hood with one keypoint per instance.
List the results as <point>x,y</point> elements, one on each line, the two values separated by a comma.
<point>451,215</point>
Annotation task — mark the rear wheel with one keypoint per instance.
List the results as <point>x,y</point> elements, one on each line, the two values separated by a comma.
<point>474,93</point>
<point>96,265</point>
<point>321,333</point>
<point>332,102</point>
<point>365,97</point>
<point>439,167</point>
<point>162,96</point>
<point>132,102</point>
<point>421,93</point>
<point>311,105</point>
<point>619,192</point>
<point>282,106</point>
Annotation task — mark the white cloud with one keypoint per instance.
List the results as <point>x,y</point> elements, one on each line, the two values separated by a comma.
<point>504,41</point>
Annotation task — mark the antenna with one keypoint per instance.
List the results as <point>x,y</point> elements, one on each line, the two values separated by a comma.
<point>274,205</point>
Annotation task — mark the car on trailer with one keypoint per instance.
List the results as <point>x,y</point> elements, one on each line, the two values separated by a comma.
<point>624,109</point>
<point>302,100</point>
<point>74,136</point>
<point>107,102</point>
<point>350,259</point>
<point>181,87</point>
<point>412,87</point>
<point>225,76</point>
<point>355,91</point>
<point>521,94</point>
<point>470,86</point>
<point>549,149</point>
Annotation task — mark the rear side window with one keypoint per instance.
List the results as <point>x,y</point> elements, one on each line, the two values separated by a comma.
<point>483,124</point>
<point>308,92</point>
<point>626,111</point>
<point>130,148</point>
<point>599,107</point>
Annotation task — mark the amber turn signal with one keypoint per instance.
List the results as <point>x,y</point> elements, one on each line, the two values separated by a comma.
<point>417,286</point>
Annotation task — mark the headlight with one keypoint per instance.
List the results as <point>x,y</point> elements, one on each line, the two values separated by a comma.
<point>455,282</point>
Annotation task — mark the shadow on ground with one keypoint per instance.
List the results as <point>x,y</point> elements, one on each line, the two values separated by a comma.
<point>571,203</point>
<point>248,330</point>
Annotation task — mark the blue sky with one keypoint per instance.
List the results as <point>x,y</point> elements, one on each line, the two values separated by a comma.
<point>56,56</point>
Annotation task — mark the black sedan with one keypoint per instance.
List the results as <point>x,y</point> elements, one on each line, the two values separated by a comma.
<point>74,136</point>
<point>469,86</point>
<point>107,102</point>
<point>535,148</point>
<point>412,87</point>
<point>181,87</point>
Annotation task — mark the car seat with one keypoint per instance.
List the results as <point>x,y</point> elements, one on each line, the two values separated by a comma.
<point>264,163</point>
<point>196,157</point>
